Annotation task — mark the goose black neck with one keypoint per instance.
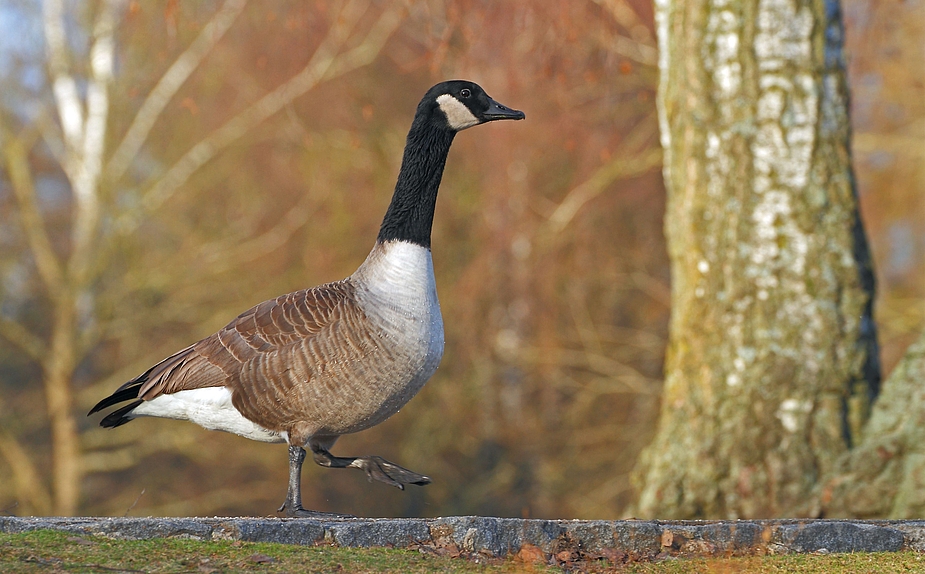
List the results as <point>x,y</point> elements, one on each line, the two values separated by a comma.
<point>411,214</point>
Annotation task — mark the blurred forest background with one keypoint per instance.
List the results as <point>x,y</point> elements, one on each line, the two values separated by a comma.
<point>235,151</point>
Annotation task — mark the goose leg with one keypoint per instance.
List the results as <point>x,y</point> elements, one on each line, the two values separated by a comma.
<point>293,504</point>
<point>375,467</point>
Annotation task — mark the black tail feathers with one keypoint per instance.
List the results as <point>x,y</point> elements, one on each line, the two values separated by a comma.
<point>121,395</point>
<point>127,392</point>
<point>119,417</point>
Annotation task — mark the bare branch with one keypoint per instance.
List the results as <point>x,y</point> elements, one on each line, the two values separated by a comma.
<point>213,501</point>
<point>104,453</point>
<point>63,84</point>
<point>22,338</point>
<point>369,48</point>
<point>617,372</point>
<point>15,157</point>
<point>110,460</point>
<point>620,167</point>
<point>626,163</point>
<point>636,51</point>
<point>219,259</point>
<point>626,17</point>
<point>652,287</point>
<point>51,136</point>
<point>325,64</point>
<point>168,85</point>
<point>89,336</point>
<point>902,144</point>
<point>88,161</point>
<point>621,11</point>
<point>28,483</point>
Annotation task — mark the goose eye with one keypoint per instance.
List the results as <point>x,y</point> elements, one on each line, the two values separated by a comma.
<point>465,92</point>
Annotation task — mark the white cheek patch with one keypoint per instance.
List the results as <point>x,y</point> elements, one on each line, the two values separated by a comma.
<point>457,114</point>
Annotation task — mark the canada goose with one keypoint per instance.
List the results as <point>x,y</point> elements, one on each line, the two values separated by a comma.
<point>310,366</point>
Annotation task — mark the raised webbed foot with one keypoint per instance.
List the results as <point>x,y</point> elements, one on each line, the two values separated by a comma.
<point>375,467</point>
<point>293,511</point>
<point>390,473</point>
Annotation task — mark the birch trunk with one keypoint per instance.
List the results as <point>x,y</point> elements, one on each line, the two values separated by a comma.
<point>884,477</point>
<point>772,360</point>
<point>84,131</point>
<point>59,397</point>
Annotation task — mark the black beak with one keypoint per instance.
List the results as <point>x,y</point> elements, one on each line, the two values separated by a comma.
<point>497,111</point>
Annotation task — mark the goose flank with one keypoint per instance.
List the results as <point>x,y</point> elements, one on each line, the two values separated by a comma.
<point>310,366</point>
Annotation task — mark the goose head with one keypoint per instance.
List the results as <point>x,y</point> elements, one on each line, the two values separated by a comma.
<point>459,104</point>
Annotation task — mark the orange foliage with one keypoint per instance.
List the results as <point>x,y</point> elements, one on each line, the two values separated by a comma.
<point>548,246</point>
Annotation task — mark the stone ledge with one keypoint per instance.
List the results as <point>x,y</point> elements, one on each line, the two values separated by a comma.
<point>504,536</point>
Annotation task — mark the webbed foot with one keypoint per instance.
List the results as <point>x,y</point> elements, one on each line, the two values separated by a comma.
<point>390,473</point>
<point>375,467</point>
<point>293,511</point>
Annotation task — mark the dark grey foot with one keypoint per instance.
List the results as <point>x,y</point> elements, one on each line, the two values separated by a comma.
<point>293,505</point>
<point>299,512</point>
<point>375,467</point>
<point>390,473</point>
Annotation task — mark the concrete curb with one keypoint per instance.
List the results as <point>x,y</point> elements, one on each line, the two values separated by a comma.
<point>505,536</point>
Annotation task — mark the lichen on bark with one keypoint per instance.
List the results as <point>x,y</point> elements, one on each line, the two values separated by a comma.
<point>771,338</point>
<point>884,476</point>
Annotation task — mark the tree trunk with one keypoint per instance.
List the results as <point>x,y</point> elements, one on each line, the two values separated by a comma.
<point>59,370</point>
<point>884,477</point>
<point>772,358</point>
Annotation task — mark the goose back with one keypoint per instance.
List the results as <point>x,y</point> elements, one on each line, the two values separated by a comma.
<point>338,358</point>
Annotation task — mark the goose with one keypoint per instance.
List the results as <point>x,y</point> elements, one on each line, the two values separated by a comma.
<point>307,367</point>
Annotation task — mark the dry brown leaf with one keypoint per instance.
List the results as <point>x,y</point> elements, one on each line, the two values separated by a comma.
<point>261,558</point>
<point>531,554</point>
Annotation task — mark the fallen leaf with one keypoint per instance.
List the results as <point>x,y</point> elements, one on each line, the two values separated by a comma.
<point>79,540</point>
<point>531,554</point>
<point>613,555</point>
<point>447,549</point>
<point>261,558</point>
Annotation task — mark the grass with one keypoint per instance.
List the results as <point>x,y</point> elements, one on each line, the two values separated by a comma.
<point>49,551</point>
<point>858,563</point>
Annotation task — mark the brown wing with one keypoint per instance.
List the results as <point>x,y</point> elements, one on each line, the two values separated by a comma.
<point>268,329</point>
<point>260,355</point>
<point>292,355</point>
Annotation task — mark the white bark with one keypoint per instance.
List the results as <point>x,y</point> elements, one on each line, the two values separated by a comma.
<point>771,330</point>
<point>84,162</point>
<point>167,87</point>
<point>63,84</point>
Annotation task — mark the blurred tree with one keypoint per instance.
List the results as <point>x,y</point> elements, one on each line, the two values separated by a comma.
<point>71,274</point>
<point>187,235</point>
<point>548,244</point>
<point>555,303</point>
<point>883,476</point>
<point>888,152</point>
<point>772,358</point>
